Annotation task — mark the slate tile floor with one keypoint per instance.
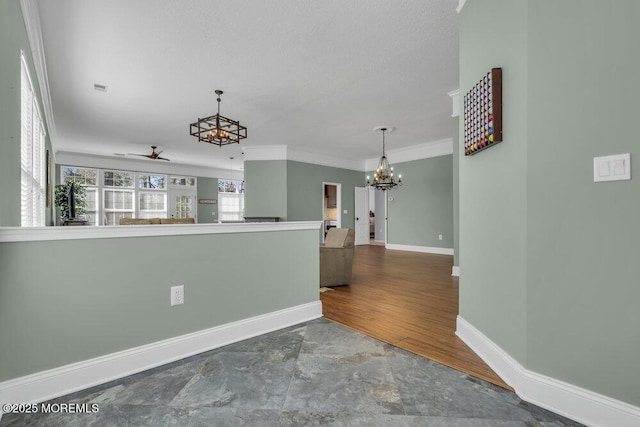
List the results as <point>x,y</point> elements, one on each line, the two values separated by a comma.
<point>316,373</point>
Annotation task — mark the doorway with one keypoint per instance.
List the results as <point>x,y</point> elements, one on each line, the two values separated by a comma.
<point>182,204</point>
<point>378,216</point>
<point>331,206</point>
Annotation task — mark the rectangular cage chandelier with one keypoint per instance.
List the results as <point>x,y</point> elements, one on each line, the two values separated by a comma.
<point>217,129</point>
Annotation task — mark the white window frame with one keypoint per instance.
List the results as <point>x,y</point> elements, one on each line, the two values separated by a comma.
<point>182,186</point>
<point>130,189</point>
<point>223,196</point>
<point>155,213</point>
<point>136,190</point>
<point>32,150</point>
<point>89,188</point>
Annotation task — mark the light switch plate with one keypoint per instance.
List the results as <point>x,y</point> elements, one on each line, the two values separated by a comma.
<point>612,168</point>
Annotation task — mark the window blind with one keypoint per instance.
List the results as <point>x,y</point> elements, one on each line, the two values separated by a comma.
<point>32,168</point>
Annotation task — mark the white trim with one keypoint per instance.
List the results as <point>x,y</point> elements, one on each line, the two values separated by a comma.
<point>425,249</point>
<point>30,234</point>
<point>438,148</point>
<point>426,150</point>
<point>455,102</point>
<point>455,271</point>
<point>265,152</point>
<point>460,5</point>
<point>566,399</point>
<point>338,186</point>
<point>31,17</point>
<point>67,379</point>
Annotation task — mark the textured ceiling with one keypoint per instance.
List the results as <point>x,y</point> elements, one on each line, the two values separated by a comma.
<point>317,76</point>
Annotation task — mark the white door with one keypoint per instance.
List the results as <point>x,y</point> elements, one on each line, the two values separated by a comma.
<point>182,204</point>
<point>362,215</point>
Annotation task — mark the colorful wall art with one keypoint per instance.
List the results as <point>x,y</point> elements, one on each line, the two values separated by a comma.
<point>483,113</point>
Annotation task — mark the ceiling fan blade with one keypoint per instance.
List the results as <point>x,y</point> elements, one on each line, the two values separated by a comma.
<point>152,156</point>
<point>158,153</point>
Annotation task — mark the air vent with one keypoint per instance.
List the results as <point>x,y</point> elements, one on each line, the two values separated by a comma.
<point>101,88</point>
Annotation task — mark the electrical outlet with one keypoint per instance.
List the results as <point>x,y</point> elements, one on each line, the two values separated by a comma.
<point>439,236</point>
<point>177,295</point>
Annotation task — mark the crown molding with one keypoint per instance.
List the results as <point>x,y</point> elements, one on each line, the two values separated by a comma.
<point>123,163</point>
<point>455,101</point>
<point>460,5</point>
<point>438,148</point>
<point>325,160</point>
<point>34,34</point>
<point>284,152</point>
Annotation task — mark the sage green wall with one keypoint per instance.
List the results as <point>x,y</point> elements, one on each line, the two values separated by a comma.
<point>456,191</point>
<point>556,283</point>
<point>422,208</point>
<point>305,191</point>
<point>114,293</point>
<point>583,237</point>
<point>207,189</point>
<point>265,188</point>
<point>493,203</point>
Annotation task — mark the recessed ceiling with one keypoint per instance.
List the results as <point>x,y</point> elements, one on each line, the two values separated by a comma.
<point>315,76</point>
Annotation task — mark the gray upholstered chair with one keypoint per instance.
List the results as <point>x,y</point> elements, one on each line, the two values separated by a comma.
<point>336,257</point>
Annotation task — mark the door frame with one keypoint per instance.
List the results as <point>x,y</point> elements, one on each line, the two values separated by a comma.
<point>338,186</point>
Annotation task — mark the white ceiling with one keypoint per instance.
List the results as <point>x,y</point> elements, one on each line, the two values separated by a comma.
<point>316,76</point>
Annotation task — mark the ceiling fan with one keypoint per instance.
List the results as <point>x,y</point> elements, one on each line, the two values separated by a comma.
<point>153,156</point>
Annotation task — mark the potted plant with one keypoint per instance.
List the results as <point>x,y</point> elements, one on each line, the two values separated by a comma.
<point>68,193</point>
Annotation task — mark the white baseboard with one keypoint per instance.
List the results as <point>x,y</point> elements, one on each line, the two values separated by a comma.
<point>455,271</point>
<point>566,399</point>
<point>425,249</point>
<point>57,382</point>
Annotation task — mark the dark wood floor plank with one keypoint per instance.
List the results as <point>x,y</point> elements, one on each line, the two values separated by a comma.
<point>409,300</point>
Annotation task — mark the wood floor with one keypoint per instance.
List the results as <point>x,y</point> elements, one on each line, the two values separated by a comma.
<point>407,299</point>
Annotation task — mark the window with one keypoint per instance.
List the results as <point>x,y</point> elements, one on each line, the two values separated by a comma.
<point>113,194</point>
<point>230,200</point>
<point>152,205</point>
<point>118,179</point>
<point>118,203</point>
<point>32,168</point>
<point>82,176</point>
<point>188,181</point>
<point>152,197</point>
<point>89,179</point>
<point>156,182</point>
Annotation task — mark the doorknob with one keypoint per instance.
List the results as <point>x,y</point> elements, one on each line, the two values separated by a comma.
<point>357,219</point>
